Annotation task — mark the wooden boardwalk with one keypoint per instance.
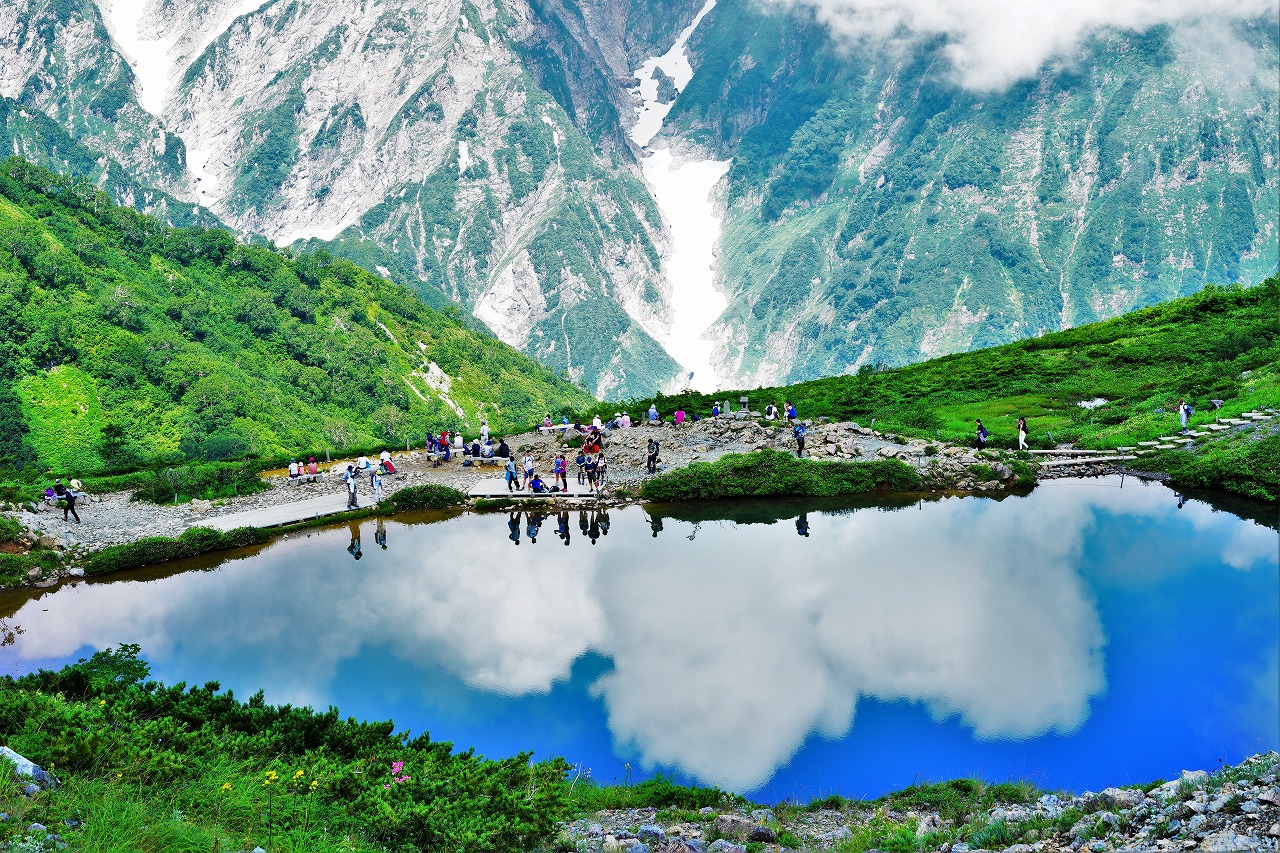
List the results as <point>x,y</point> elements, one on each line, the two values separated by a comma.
<point>287,513</point>
<point>496,487</point>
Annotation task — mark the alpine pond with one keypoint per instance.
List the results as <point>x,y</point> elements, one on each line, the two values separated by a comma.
<point>1093,632</point>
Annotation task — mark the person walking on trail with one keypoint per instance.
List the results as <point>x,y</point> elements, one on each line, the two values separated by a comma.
<point>980,435</point>
<point>352,480</point>
<point>1184,415</point>
<point>602,468</point>
<point>528,469</point>
<point>513,479</point>
<point>800,432</point>
<point>1022,433</point>
<point>68,497</point>
<point>652,461</point>
<point>484,431</point>
<point>591,473</point>
<point>375,480</point>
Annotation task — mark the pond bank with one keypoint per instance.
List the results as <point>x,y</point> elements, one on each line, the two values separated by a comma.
<point>1236,808</point>
<point>114,519</point>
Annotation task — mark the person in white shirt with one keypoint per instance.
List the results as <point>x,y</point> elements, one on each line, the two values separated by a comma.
<point>626,421</point>
<point>362,463</point>
<point>528,469</point>
<point>595,422</point>
<point>458,443</point>
<point>385,456</point>
<point>484,432</point>
<point>293,468</point>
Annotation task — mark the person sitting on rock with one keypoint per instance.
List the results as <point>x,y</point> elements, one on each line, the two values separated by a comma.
<point>313,467</point>
<point>293,469</point>
<point>536,485</point>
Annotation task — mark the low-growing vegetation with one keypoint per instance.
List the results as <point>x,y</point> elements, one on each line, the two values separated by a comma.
<point>1221,344</point>
<point>767,473</point>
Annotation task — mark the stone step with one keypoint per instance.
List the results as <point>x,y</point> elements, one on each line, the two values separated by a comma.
<point>1234,421</point>
<point>1216,427</point>
<point>1184,441</point>
<point>1147,443</point>
<point>1168,438</point>
<point>1197,434</point>
<point>1165,446</point>
<point>1092,460</point>
<point>1071,452</point>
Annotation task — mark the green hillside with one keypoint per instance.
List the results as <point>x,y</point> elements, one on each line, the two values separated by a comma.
<point>1219,344</point>
<point>127,342</point>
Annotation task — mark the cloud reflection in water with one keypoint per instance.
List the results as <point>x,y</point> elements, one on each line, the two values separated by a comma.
<point>727,651</point>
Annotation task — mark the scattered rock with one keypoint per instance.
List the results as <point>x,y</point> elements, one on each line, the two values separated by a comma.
<point>1117,798</point>
<point>1228,842</point>
<point>733,826</point>
<point>651,834</point>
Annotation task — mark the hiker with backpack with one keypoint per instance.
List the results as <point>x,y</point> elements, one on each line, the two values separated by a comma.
<point>652,461</point>
<point>980,436</point>
<point>799,430</point>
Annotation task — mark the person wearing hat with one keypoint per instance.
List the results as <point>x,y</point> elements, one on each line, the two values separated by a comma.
<point>313,467</point>
<point>69,496</point>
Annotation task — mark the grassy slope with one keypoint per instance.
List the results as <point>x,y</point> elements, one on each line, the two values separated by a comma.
<point>1217,344</point>
<point>149,767</point>
<point>129,343</point>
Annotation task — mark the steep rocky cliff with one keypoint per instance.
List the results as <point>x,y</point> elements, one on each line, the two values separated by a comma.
<point>878,212</point>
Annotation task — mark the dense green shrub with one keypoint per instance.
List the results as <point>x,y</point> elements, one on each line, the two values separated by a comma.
<point>14,567</point>
<point>162,549</point>
<point>766,473</point>
<point>232,769</point>
<point>1243,464</point>
<point>430,496</point>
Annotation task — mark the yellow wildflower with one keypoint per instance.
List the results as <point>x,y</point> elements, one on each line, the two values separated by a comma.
<point>226,786</point>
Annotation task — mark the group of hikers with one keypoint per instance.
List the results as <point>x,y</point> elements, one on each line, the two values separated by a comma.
<point>981,435</point>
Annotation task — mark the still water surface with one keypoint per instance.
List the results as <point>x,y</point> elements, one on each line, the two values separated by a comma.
<point>1084,635</point>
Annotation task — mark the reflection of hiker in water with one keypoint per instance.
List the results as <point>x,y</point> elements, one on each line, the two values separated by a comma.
<point>513,524</point>
<point>534,525</point>
<point>1182,499</point>
<point>354,548</point>
<point>802,524</point>
<point>655,524</point>
<point>582,521</point>
<point>593,532</point>
<point>604,522</point>
<point>562,525</point>
<point>380,535</point>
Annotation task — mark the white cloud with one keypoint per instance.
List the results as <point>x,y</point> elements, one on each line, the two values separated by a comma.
<point>993,43</point>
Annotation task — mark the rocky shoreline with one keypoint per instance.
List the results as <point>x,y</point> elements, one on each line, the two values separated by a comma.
<point>1234,809</point>
<point>113,519</point>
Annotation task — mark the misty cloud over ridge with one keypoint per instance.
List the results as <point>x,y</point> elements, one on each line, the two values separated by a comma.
<point>992,44</point>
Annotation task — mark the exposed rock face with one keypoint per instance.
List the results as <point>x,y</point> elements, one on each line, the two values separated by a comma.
<point>412,137</point>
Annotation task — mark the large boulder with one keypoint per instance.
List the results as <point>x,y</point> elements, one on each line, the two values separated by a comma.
<point>734,826</point>
<point>28,769</point>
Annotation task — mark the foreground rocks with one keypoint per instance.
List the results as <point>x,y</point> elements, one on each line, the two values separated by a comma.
<point>1234,809</point>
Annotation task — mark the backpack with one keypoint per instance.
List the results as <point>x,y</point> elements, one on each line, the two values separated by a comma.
<point>983,432</point>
